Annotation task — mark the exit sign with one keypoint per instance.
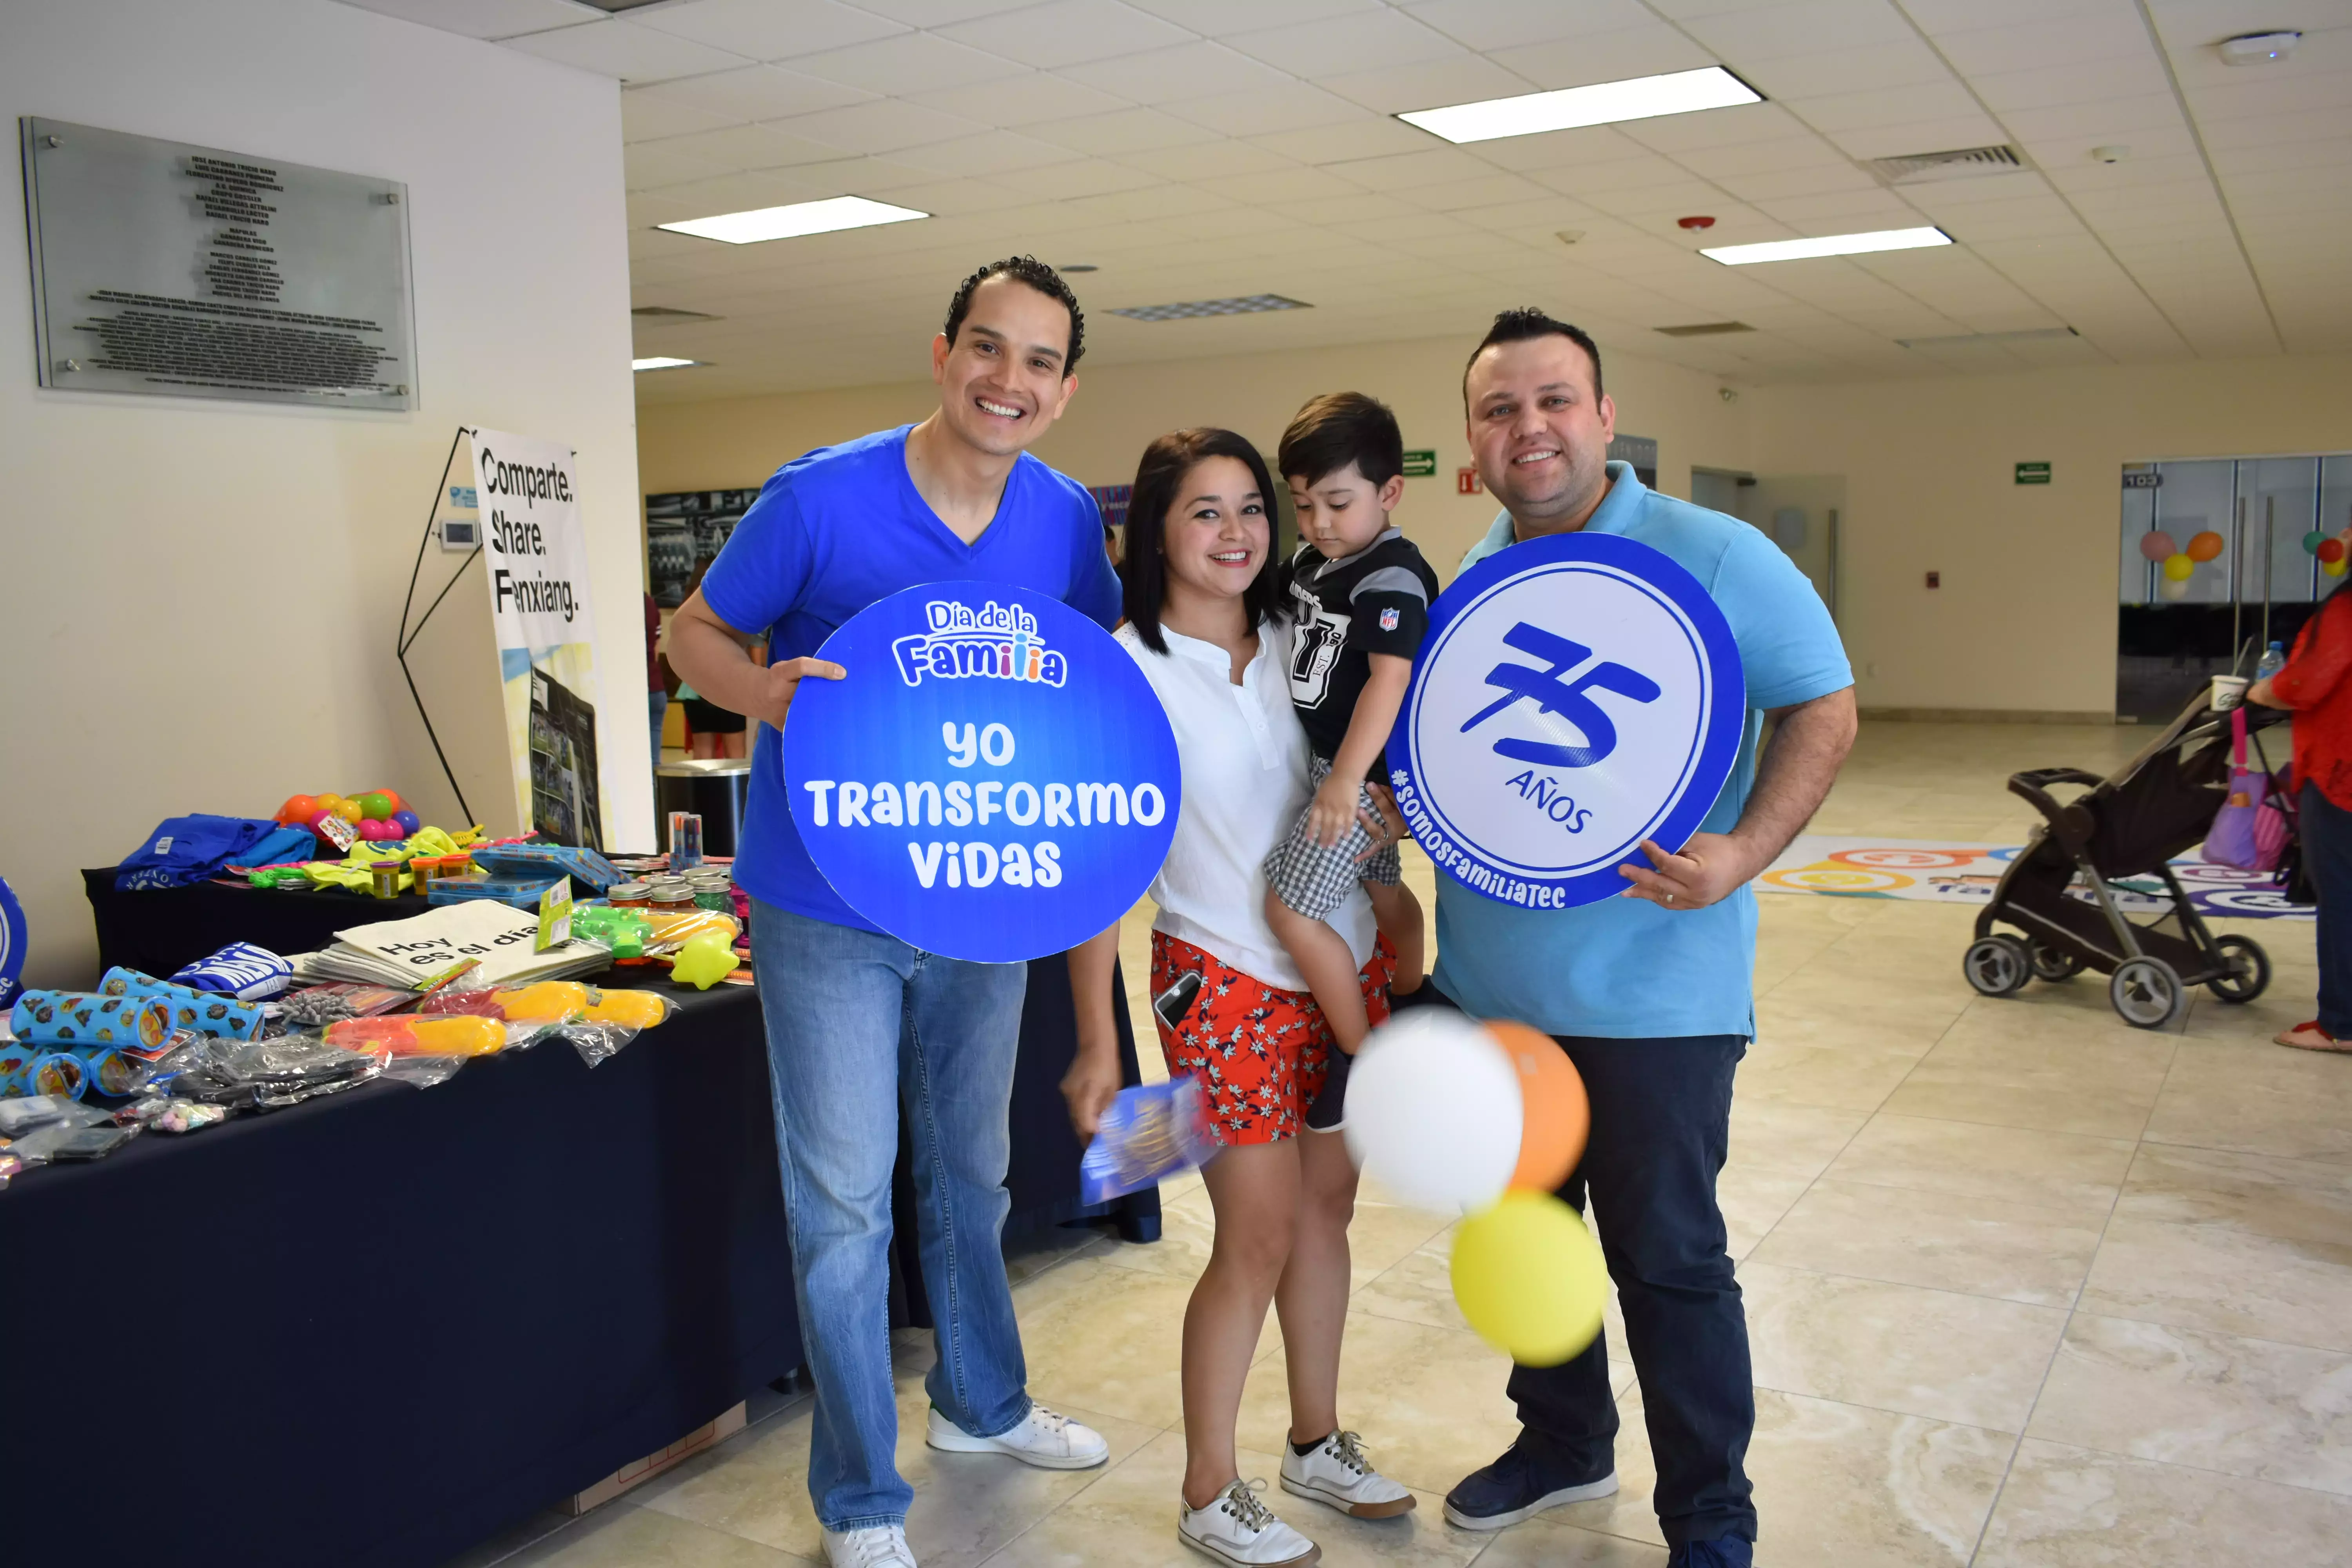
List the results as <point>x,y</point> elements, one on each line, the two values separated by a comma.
<point>1421,464</point>
<point>2032,473</point>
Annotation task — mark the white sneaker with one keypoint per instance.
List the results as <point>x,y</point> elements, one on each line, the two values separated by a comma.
<point>875,1546</point>
<point>1048,1441</point>
<point>1337,1473</point>
<point>1238,1528</point>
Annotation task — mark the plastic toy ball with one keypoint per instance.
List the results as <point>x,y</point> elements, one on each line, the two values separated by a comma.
<point>1433,1111</point>
<point>398,805</point>
<point>376,805</point>
<point>2156,546</point>
<point>1529,1277</point>
<point>2334,568</point>
<point>2205,546</point>
<point>2312,540</point>
<point>2179,567</point>
<point>297,808</point>
<point>704,962</point>
<point>2330,551</point>
<point>1556,1116</point>
<point>409,821</point>
<point>327,802</point>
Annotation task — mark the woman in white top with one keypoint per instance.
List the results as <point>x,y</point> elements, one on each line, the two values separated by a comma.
<point>1205,624</point>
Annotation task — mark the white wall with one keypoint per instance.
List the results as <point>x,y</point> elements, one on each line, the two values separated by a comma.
<point>201,598</point>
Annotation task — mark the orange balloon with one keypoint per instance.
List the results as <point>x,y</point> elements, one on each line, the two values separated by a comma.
<point>1556,1116</point>
<point>2205,546</point>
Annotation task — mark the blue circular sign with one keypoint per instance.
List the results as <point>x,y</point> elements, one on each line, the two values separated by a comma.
<point>1576,694</point>
<point>993,780</point>
<point>12,943</point>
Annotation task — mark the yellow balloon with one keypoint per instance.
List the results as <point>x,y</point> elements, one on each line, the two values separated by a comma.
<point>1529,1277</point>
<point>2179,567</point>
<point>2336,568</point>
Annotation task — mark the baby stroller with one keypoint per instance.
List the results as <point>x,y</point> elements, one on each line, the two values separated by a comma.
<point>2060,892</point>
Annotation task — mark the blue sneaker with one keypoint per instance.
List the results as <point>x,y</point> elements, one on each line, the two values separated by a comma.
<point>1730,1552</point>
<point>1519,1485</point>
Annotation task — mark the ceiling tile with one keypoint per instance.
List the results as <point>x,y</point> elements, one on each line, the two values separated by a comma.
<point>644,117</point>
<point>1402,171</point>
<point>2086,124</point>
<point>1454,196</point>
<point>1122,131</point>
<point>1777,31</point>
<point>1086,178</point>
<point>1506,23</point>
<point>1716,127</point>
<point>1219,18</point>
<point>1207,160</point>
<point>1561,149</point>
<point>650,165</point>
<point>2113,33</point>
<point>1366,137</point>
<point>1253,112</point>
<point>1315,49</point>
<point>484,18</point>
<point>1782,155</point>
<point>938,13</point>
<point>907,63</point>
<point>768,29</point>
<point>1457,78</point>
<point>1016,100</point>
<point>1181,72</point>
<point>1649,50</point>
<point>1773,184</point>
<point>1291,188</point>
<point>1067,32</point>
<point>882,126</point>
<point>755,147</point>
<point>756,92</point>
<point>1900,62</point>
<point>1970,130</point>
<point>1874,107</point>
<point>985,152</point>
<point>622,50</point>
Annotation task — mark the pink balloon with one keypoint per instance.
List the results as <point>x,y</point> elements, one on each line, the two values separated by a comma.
<point>2156,546</point>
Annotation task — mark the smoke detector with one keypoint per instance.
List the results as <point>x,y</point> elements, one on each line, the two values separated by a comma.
<point>2115,153</point>
<point>1694,223</point>
<point>2260,48</point>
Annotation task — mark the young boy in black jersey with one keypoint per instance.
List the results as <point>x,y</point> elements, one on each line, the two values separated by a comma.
<point>1361,591</point>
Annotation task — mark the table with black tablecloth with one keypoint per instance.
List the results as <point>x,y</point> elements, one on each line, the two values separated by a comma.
<point>375,1328</point>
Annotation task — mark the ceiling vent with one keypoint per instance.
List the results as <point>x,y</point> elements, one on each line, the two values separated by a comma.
<point>1703,330</point>
<point>1189,309</point>
<point>1961,163</point>
<point>669,313</point>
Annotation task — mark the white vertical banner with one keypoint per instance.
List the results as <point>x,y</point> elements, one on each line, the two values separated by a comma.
<point>537,554</point>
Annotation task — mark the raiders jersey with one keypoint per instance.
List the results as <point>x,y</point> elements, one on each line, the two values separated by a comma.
<point>1375,601</point>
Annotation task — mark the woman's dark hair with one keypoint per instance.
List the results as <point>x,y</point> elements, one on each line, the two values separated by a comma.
<point>1159,478</point>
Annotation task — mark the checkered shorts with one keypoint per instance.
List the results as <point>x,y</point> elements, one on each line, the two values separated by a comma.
<point>1316,878</point>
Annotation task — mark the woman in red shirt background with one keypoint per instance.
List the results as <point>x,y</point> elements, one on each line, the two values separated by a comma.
<point>2316,684</point>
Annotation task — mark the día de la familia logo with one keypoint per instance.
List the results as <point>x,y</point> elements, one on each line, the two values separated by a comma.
<point>999,641</point>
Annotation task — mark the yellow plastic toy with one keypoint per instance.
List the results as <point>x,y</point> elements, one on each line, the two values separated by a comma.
<point>568,999</point>
<point>705,962</point>
<point>456,1035</point>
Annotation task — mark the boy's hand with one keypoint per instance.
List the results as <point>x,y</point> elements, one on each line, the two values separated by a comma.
<point>1089,1087</point>
<point>1380,819</point>
<point>1333,811</point>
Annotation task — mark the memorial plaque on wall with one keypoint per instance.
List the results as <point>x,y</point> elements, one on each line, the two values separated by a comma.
<point>195,272</point>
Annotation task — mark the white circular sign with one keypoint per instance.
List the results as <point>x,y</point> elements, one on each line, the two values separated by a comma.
<point>1576,695</point>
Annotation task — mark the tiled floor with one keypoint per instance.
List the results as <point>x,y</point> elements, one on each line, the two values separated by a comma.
<point>2024,1286</point>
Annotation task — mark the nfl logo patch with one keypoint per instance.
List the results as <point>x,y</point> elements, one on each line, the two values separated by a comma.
<point>1388,620</point>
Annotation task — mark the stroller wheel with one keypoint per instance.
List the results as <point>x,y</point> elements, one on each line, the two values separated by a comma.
<point>2249,969</point>
<point>1998,965</point>
<point>2147,993</point>
<point>2053,965</point>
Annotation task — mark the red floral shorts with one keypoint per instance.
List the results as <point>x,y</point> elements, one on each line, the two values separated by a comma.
<point>1261,1053</point>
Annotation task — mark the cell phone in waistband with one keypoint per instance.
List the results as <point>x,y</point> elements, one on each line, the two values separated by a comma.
<point>1173,1004</point>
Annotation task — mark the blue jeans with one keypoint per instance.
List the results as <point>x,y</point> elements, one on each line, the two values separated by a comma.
<point>860,1024</point>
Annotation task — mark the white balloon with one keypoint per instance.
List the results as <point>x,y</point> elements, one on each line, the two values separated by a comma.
<point>1433,1111</point>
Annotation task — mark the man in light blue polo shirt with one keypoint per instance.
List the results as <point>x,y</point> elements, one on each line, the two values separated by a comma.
<point>860,1024</point>
<point>1650,994</point>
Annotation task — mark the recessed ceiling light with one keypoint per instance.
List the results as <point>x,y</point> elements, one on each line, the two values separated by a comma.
<point>1188,310</point>
<point>2021,335</point>
<point>670,314</point>
<point>2260,48</point>
<point>662,362</point>
<point>1604,103</point>
<point>1703,330</point>
<point>1827,245</point>
<point>791,221</point>
<point>1077,267</point>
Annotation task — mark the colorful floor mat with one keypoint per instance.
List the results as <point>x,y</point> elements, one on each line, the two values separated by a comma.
<point>1966,874</point>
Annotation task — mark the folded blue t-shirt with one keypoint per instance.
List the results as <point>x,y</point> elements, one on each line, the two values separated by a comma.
<point>1626,968</point>
<point>841,528</point>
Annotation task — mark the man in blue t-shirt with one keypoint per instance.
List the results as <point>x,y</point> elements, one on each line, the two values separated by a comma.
<point>859,1022</point>
<point>1650,994</point>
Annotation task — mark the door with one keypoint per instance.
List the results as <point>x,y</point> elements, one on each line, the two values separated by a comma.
<point>1801,513</point>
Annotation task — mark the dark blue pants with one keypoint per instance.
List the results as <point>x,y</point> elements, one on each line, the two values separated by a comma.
<point>1661,1128</point>
<point>2327,831</point>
